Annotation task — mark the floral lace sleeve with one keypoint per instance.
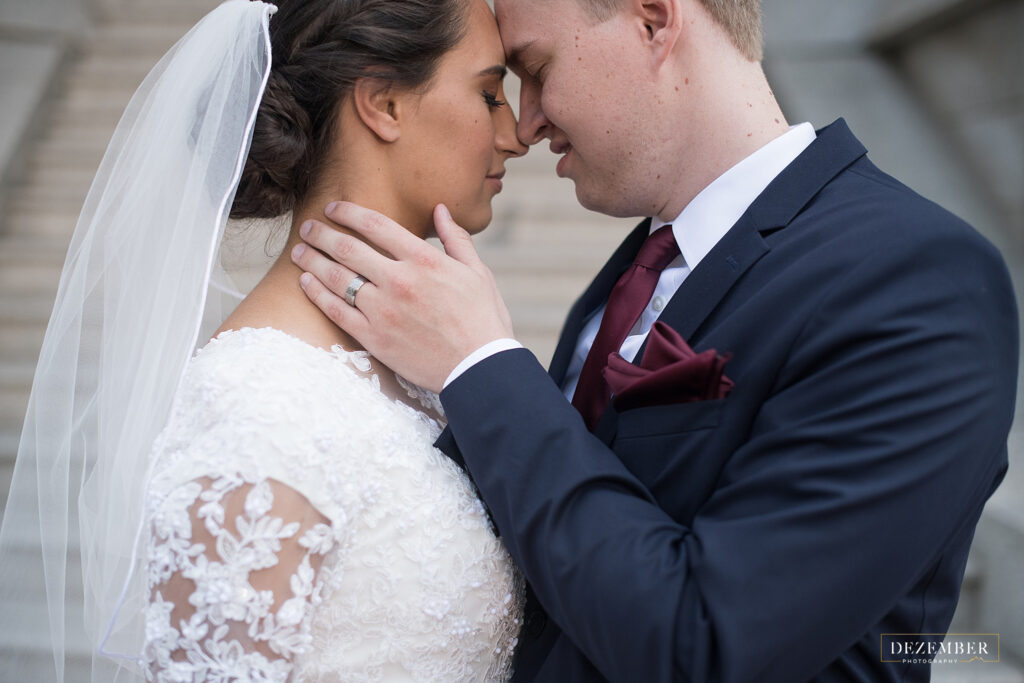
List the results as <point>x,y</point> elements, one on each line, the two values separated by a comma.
<point>234,573</point>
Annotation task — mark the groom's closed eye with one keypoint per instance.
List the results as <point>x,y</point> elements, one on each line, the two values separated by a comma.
<point>516,59</point>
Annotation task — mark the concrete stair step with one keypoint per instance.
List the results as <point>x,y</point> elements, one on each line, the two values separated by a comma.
<point>58,178</point>
<point>15,249</point>
<point>525,289</point>
<point>47,200</point>
<point>185,13</point>
<point>23,628</point>
<point>138,39</point>
<point>81,104</point>
<point>21,343</point>
<point>538,321</point>
<point>93,127</point>
<point>35,664</point>
<point>72,154</point>
<point>569,234</point>
<point>541,198</point>
<point>533,259</point>
<point>90,69</point>
<point>9,439</point>
<point>1005,671</point>
<point>84,106</point>
<point>12,408</point>
<point>9,436</point>
<point>15,376</point>
<point>114,84</point>
<point>48,222</point>
<point>30,279</point>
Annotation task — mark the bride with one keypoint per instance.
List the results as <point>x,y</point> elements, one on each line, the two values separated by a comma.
<point>292,520</point>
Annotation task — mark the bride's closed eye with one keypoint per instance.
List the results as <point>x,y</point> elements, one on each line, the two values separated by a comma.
<point>492,100</point>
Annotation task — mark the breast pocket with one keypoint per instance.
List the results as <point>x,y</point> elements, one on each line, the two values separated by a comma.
<point>678,418</point>
<point>675,450</point>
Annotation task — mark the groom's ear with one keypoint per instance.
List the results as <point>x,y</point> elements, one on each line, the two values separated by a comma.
<point>662,23</point>
<point>377,101</point>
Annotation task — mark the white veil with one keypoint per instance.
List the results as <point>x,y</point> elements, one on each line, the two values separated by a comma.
<point>141,273</point>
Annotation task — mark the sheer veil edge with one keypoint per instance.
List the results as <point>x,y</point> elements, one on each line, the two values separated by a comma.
<point>143,283</point>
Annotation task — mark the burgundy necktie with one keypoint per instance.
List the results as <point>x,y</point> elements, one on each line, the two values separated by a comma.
<point>626,303</point>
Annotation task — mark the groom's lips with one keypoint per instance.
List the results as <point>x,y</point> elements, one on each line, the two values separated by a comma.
<point>561,148</point>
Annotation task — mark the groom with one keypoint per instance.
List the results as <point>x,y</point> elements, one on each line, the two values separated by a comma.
<point>792,461</point>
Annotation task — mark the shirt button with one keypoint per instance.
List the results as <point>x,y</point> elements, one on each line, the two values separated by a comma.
<point>658,304</point>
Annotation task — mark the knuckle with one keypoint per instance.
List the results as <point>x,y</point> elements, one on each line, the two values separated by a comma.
<point>333,310</point>
<point>389,316</point>
<point>335,279</point>
<point>403,287</point>
<point>343,249</point>
<point>374,221</point>
<point>426,258</point>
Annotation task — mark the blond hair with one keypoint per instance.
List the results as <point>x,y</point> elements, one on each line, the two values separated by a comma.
<point>741,20</point>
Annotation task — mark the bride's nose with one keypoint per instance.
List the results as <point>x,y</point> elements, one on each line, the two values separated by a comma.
<point>505,139</point>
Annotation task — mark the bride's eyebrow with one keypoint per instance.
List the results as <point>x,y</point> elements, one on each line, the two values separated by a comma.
<point>498,70</point>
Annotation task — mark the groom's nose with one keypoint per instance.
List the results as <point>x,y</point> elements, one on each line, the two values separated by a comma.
<point>533,125</point>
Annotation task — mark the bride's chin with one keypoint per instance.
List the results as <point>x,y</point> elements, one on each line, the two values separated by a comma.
<point>477,222</point>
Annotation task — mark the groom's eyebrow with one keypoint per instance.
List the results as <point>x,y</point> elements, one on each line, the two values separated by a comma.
<point>514,57</point>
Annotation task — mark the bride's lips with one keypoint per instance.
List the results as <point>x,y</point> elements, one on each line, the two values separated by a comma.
<point>495,179</point>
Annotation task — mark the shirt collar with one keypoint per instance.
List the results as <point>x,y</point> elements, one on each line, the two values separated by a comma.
<point>707,218</point>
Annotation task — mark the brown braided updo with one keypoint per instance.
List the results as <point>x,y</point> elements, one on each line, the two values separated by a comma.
<point>319,49</point>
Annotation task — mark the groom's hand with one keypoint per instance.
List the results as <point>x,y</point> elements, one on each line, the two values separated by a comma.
<point>421,311</point>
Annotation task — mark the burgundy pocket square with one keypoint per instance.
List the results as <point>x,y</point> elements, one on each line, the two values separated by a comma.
<point>669,372</point>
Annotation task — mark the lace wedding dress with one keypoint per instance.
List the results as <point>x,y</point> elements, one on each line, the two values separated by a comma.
<point>302,527</point>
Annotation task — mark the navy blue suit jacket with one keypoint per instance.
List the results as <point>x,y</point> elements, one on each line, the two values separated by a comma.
<point>775,534</point>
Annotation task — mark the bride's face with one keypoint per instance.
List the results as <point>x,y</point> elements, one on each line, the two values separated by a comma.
<point>460,131</point>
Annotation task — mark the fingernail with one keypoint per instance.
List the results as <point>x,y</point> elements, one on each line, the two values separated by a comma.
<point>305,228</point>
<point>305,279</point>
<point>298,251</point>
<point>446,212</point>
<point>331,207</point>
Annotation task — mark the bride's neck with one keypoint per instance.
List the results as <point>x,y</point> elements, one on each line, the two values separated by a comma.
<point>278,300</point>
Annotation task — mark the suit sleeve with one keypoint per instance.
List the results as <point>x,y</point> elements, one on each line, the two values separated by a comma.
<point>883,435</point>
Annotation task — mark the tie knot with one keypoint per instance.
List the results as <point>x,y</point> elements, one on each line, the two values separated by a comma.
<point>658,250</point>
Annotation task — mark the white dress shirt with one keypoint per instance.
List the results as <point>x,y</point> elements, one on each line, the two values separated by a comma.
<point>700,226</point>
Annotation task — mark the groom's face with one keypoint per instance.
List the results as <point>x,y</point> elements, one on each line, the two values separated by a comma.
<point>580,85</point>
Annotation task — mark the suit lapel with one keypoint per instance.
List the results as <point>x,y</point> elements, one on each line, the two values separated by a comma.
<point>446,444</point>
<point>713,277</point>
<point>834,150</point>
<point>593,297</point>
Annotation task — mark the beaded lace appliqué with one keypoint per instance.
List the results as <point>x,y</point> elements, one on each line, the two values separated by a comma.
<point>302,527</point>
<point>236,631</point>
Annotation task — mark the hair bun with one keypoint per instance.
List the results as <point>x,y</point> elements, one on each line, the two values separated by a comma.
<point>274,174</point>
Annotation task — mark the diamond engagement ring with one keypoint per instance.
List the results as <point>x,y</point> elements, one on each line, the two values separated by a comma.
<point>353,289</point>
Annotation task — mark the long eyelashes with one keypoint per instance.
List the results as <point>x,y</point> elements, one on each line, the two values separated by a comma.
<point>492,100</point>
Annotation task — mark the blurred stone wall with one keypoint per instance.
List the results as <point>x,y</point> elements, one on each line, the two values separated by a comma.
<point>36,36</point>
<point>934,89</point>
<point>966,70</point>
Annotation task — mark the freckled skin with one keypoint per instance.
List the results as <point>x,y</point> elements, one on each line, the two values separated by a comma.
<point>608,96</point>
